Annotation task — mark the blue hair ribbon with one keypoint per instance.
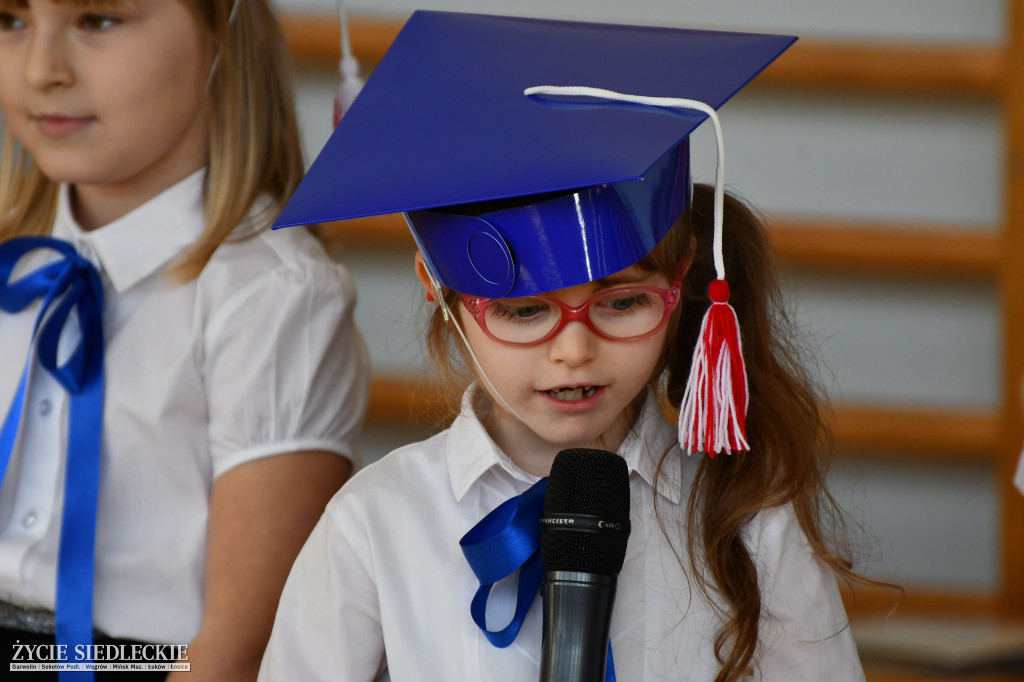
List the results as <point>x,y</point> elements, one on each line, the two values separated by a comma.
<point>68,284</point>
<point>504,541</point>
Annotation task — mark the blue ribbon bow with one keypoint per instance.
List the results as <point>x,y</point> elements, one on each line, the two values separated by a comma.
<point>506,540</point>
<point>68,284</point>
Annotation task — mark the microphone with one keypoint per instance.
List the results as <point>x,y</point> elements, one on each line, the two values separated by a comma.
<point>584,530</point>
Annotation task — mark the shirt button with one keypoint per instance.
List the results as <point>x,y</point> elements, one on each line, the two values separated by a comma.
<point>29,519</point>
<point>45,406</point>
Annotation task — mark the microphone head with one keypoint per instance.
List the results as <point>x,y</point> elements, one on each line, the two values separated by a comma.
<point>585,524</point>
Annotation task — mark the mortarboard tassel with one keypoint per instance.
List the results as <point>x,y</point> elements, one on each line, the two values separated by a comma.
<point>349,82</point>
<point>713,414</point>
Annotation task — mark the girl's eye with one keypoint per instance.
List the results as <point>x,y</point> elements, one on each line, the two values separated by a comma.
<point>98,22</point>
<point>517,311</point>
<point>10,22</point>
<point>626,302</point>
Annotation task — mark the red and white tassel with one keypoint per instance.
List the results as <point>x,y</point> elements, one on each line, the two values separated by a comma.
<point>713,415</point>
<point>349,82</point>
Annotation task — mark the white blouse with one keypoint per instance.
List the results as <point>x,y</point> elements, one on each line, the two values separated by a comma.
<point>258,356</point>
<point>381,590</point>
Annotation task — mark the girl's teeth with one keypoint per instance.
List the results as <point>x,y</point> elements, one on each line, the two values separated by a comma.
<point>571,394</point>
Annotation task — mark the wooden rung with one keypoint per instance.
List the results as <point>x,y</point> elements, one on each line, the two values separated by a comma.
<point>1012,307</point>
<point>870,600</point>
<point>947,434</point>
<point>952,435</point>
<point>867,67</point>
<point>963,252</point>
<point>877,671</point>
<point>889,68</point>
<point>378,231</point>
<point>836,246</point>
<point>413,401</point>
<point>315,39</point>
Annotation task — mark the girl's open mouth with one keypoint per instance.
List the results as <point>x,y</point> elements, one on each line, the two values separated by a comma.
<point>573,394</point>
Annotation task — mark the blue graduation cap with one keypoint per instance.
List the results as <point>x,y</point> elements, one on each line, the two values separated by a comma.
<point>509,194</point>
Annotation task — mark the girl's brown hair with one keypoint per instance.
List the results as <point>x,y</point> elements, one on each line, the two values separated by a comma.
<point>786,425</point>
<point>253,135</point>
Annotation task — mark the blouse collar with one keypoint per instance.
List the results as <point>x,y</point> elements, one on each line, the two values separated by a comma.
<point>143,240</point>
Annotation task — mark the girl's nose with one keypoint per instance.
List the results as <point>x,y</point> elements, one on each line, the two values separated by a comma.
<point>574,345</point>
<point>48,65</point>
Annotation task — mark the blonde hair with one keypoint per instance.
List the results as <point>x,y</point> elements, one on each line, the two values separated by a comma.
<point>253,138</point>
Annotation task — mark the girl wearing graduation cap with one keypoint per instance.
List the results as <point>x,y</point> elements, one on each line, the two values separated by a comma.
<point>581,279</point>
<point>194,384</point>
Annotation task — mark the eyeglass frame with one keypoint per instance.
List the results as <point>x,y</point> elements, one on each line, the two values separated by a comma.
<point>477,308</point>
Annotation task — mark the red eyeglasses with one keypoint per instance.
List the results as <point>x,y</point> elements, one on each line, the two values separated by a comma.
<point>619,314</point>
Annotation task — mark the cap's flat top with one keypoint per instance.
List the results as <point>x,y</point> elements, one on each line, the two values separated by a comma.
<point>443,119</point>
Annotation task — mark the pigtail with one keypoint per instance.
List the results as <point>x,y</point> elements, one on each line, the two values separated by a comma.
<point>786,426</point>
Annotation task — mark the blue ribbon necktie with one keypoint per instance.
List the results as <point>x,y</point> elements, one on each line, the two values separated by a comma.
<point>504,541</point>
<point>67,284</point>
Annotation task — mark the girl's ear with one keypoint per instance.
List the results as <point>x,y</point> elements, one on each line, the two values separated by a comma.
<point>424,276</point>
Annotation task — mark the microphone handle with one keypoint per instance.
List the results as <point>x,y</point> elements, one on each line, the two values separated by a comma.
<point>577,619</point>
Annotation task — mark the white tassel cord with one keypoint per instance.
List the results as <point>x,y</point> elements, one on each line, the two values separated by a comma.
<point>712,417</point>
<point>664,102</point>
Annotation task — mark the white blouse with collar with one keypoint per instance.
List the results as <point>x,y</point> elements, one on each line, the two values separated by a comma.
<point>257,356</point>
<point>381,590</point>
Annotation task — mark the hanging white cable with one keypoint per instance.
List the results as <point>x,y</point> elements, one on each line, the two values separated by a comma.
<point>349,83</point>
<point>449,315</point>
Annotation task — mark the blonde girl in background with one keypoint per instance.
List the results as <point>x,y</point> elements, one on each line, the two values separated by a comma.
<point>147,145</point>
<point>578,274</point>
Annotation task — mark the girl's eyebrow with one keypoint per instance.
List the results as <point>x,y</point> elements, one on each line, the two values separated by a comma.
<point>110,4</point>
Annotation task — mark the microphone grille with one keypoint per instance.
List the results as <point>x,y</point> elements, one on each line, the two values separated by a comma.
<point>592,483</point>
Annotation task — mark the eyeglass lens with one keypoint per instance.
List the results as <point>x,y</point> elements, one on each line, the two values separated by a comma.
<point>617,313</point>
